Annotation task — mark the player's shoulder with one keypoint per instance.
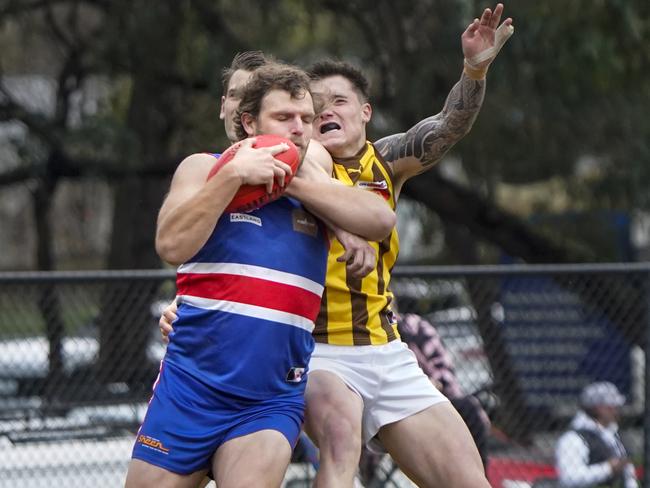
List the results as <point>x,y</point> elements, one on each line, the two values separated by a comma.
<point>389,147</point>
<point>198,161</point>
<point>200,158</point>
<point>317,154</point>
<point>197,165</point>
<point>397,151</point>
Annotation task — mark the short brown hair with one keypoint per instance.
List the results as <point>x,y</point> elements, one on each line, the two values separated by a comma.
<point>273,76</point>
<point>247,61</point>
<point>330,67</point>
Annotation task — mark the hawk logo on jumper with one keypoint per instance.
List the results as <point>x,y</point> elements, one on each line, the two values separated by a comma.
<point>295,375</point>
<point>152,443</point>
<point>251,219</point>
<point>304,222</point>
<point>373,185</point>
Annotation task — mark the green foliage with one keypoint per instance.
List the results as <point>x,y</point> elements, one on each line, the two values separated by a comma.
<point>572,82</point>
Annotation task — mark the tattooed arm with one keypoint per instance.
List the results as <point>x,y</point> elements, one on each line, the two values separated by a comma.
<point>425,144</point>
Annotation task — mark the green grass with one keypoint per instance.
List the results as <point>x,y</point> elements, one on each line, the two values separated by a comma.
<point>20,314</point>
<point>79,303</point>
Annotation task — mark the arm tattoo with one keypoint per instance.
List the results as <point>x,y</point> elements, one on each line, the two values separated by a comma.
<point>431,138</point>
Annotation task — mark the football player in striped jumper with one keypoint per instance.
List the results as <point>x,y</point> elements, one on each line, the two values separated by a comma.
<point>365,385</point>
<point>230,393</point>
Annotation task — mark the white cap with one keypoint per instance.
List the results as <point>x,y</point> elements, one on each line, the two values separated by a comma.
<point>601,393</point>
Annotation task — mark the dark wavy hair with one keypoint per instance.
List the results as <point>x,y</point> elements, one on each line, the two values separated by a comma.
<point>331,67</point>
<point>273,76</point>
<point>247,61</point>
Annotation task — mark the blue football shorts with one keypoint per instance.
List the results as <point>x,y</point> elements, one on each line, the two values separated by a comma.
<point>187,420</point>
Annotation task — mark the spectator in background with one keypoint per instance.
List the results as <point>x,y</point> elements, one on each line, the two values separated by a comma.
<point>591,453</point>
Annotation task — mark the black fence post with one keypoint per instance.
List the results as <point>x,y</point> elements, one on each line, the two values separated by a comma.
<point>646,400</point>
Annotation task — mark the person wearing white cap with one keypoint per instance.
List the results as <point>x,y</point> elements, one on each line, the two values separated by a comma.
<point>591,453</point>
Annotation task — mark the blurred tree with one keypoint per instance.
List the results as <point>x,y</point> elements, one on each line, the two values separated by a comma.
<point>44,150</point>
<point>162,62</point>
<point>570,86</point>
<point>571,83</point>
<point>136,49</point>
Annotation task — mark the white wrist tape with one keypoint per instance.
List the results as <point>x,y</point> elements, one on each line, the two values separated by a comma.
<point>501,35</point>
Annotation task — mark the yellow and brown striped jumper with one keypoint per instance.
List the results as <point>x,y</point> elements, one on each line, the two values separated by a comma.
<point>358,311</point>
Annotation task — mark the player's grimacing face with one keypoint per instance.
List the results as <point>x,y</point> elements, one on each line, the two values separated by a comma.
<point>230,101</point>
<point>286,116</point>
<point>341,125</point>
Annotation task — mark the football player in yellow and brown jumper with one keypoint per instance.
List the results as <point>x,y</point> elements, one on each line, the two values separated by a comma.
<point>365,386</point>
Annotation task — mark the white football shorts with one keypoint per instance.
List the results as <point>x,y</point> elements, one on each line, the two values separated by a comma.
<point>388,379</point>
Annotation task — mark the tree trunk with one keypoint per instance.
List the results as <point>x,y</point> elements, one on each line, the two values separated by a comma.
<point>126,321</point>
<point>48,301</point>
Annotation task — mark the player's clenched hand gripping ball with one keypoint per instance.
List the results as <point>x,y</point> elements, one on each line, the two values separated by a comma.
<point>250,197</point>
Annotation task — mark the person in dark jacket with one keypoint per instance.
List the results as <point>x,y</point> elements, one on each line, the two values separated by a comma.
<point>590,453</point>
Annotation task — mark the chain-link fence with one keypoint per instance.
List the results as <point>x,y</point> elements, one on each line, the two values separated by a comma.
<point>80,351</point>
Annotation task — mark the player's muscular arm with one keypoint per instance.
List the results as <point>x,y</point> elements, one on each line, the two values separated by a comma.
<point>357,211</point>
<point>350,209</point>
<point>429,140</point>
<point>359,255</point>
<point>192,207</point>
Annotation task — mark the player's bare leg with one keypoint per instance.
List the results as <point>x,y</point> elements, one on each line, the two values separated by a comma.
<point>333,421</point>
<point>434,448</point>
<point>145,475</point>
<point>257,460</point>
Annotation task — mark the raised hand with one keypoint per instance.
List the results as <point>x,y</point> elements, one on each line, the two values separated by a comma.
<point>483,38</point>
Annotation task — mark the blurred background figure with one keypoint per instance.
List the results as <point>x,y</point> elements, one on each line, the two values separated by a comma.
<point>591,453</point>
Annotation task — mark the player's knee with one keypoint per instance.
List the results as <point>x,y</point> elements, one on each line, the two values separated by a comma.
<point>341,439</point>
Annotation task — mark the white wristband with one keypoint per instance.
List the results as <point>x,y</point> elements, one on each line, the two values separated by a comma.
<point>501,35</point>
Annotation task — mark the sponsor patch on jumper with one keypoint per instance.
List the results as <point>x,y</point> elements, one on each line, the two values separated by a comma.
<point>373,185</point>
<point>304,222</point>
<point>241,217</point>
<point>295,375</point>
<point>379,187</point>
